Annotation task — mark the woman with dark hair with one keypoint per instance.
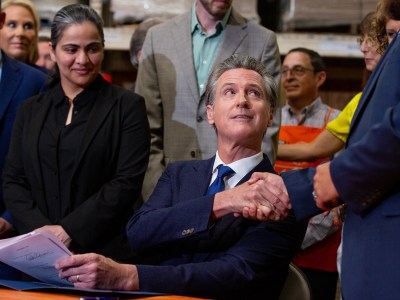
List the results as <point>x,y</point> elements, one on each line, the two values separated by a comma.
<point>79,151</point>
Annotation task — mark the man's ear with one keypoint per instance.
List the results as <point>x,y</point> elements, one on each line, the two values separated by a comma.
<point>210,114</point>
<point>321,77</point>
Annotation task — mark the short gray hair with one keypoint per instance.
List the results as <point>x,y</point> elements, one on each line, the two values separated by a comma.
<point>239,61</point>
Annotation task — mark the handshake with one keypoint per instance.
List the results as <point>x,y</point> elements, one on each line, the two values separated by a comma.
<point>265,197</point>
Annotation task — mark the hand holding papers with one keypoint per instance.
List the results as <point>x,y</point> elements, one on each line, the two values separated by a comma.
<point>35,253</point>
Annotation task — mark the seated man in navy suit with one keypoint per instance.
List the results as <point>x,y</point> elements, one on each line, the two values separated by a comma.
<point>193,228</point>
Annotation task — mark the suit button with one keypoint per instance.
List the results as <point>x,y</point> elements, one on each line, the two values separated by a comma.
<point>199,119</point>
<point>187,231</point>
<point>193,154</point>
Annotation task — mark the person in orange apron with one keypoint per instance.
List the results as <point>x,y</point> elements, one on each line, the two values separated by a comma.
<point>304,117</point>
<point>291,134</point>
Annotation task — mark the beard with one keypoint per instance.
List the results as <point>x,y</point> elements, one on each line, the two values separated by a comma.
<point>217,9</point>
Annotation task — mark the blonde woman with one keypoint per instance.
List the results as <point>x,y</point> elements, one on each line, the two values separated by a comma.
<point>19,35</point>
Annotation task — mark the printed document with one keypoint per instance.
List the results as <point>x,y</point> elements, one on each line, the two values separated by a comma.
<point>35,254</point>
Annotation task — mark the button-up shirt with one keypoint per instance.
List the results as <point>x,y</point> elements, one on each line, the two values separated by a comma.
<point>241,167</point>
<point>59,146</point>
<point>313,115</point>
<point>205,46</point>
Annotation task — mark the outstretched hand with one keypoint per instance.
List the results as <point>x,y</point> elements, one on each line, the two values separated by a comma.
<point>263,197</point>
<point>273,194</point>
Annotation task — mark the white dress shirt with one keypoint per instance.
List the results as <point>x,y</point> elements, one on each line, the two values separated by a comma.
<point>241,168</point>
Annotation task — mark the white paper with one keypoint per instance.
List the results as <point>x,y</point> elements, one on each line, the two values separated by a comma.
<point>35,254</point>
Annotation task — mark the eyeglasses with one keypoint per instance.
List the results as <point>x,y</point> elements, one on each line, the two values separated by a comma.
<point>368,41</point>
<point>296,71</point>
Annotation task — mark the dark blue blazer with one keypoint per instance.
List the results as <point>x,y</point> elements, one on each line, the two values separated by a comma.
<point>234,258</point>
<point>18,82</point>
<point>367,177</point>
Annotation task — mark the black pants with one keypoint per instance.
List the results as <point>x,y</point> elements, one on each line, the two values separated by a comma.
<point>323,284</point>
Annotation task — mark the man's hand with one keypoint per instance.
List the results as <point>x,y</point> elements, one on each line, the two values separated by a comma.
<point>94,271</point>
<point>325,193</point>
<point>6,229</point>
<point>263,197</point>
<point>274,190</point>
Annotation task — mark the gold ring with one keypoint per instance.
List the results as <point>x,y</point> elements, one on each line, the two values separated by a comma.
<point>77,278</point>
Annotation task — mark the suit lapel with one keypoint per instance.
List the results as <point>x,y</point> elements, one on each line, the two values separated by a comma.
<point>40,110</point>
<point>201,176</point>
<point>9,83</point>
<point>232,38</point>
<point>184,50</point>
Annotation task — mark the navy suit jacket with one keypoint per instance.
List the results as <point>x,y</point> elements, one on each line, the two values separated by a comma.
<point>234,258</point>
<point>18,82</point>
<point>367,177</point>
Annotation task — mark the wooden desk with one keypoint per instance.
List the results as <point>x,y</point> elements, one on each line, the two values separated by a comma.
<point>9,294</point>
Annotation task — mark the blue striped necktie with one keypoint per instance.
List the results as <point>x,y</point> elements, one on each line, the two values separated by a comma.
<point>218,184</point>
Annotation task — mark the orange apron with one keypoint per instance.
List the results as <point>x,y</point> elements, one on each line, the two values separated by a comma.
<point>322,255</point>
<point>291,134</point>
